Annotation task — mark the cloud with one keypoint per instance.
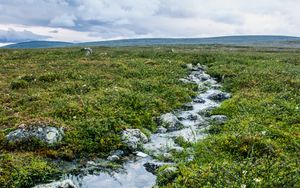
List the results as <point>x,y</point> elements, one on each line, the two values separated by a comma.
<point>64,20</point>
<point>106,19</point>
<point>11,35</point>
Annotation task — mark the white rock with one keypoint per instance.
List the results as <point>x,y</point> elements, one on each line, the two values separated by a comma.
<point>60,184</point>
<point>44,133</point>
<point>170,122</point>
<point>133,138</point>
<point>141,154</point>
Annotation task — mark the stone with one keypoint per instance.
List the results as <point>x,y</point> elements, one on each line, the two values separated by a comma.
<point>177,149</point>
<point>167,156</point>
<point>42,132</point>
<point>161,130</point>
<point>170,122</point>
<point>91,163</point>
<point>206,111</point>
<point>198,100</point>
<point>192,67</point>
<point>219,96</point>
<point>59,184</point>
<point>218,119</point>
<point>88,51</point>
<point>133,138</point>
<point>204,77</point>
<point>188,106</point>
<point>152,166</point>
<point>113,158</point>
<point>188,116</point>
<point>141,154</point>
<point>189,66</point>
<point>118,152</point>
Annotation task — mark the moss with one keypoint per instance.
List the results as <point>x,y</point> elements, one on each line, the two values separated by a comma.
<point>24,170</point>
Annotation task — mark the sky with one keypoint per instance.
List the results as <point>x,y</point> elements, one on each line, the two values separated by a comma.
<point>96,20</point>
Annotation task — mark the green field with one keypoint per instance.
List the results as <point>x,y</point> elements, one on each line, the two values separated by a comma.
<point>94,98</point>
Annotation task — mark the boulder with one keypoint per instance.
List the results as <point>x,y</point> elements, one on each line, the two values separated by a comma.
<point>44,133</point>
<point>189,116</point>
<point>113,158</point>
<point>88,51</point>
<point>170,122</point>
<point>141,154</point>
<point>189,66</point>
<point>133,138</point>
<point>60,184</point>
<point>199,67</point>
<point>152,166</point>
<point>115,155</point>
<point>161,130</point>
<point>219,96</point>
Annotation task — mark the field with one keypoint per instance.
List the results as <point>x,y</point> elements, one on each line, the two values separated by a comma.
<point>96,97</point>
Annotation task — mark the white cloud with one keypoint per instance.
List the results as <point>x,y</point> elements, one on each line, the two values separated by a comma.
<point>11,35</point>
<point>64,20</point>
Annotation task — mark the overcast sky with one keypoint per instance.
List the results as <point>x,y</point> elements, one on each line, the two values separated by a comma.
<point>93,20</point>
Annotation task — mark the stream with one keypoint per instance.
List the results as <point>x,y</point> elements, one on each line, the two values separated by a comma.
<point>138,169</point>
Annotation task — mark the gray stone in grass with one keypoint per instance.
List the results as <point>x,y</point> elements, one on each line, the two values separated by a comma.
<point>88,51</point>
<point>42,132</point>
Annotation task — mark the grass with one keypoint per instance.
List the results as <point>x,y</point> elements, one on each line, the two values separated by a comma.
<point>96,97</point>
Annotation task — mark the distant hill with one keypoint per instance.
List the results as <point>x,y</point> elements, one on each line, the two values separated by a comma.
<point>255,40</point>
<point>39,44</point>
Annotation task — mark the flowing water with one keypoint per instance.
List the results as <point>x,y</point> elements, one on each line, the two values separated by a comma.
<point>133,173</point>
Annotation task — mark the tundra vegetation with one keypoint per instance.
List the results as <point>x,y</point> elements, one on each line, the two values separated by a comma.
<point>95,97</point>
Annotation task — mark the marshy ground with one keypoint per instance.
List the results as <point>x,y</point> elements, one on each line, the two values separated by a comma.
<point>95,97</point>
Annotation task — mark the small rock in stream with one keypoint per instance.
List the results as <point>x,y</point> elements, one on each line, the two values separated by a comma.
<point>141,154</point>
<point>133,138</point>
<point>152,166</point>
<point>113,158</point>
<point>219,96</point>
<point>170,122</point>
<point>189,116</point>
<point>161,130</point>
<point>60,184</point>
<point>167,156</point>
<point>189,66</point>
<point>188,106</point>
<point>205,112</point>
<point>198,100</point>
